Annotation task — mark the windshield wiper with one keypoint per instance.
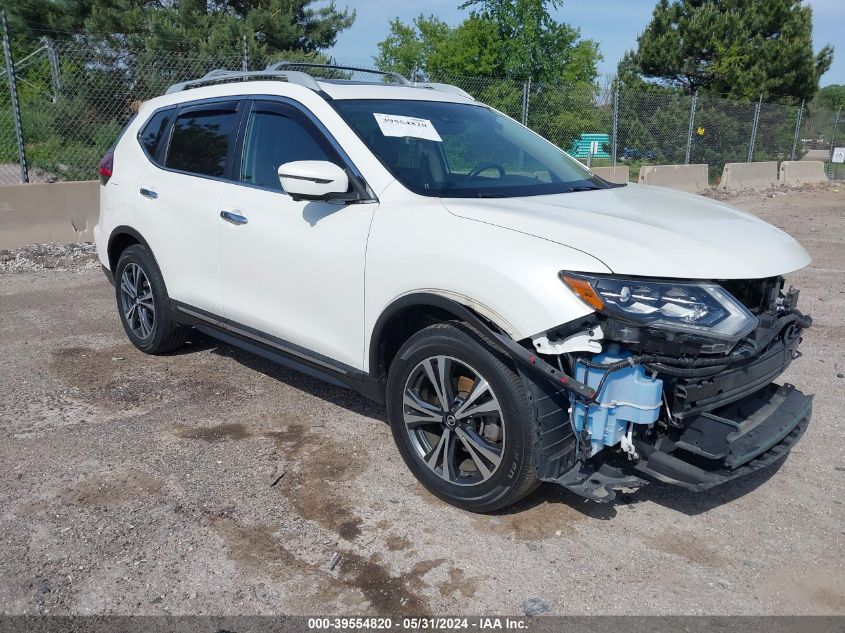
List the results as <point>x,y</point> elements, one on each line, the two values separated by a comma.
<point>582,188</point>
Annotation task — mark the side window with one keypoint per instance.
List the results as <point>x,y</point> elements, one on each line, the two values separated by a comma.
<point>152,133</point>
<point>202,140</point>
<point>273,139</point>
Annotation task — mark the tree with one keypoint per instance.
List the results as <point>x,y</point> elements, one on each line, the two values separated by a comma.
<point>737,48</point>
<point>534,44</point>
<point>211,27</point>
<point>833,96</point>
<point>501,38</point>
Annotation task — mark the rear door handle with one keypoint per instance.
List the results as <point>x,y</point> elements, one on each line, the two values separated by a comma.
<point>233,217</point>
<point>148,193</point>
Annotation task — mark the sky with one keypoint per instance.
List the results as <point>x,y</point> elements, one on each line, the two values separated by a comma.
<point>614,24</point>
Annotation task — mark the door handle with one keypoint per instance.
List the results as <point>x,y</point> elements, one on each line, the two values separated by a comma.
<point>233,217</point>
<point>148,193</point>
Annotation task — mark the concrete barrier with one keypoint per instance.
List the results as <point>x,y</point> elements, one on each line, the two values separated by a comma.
<point>619,174</point>
<point>738,176</point>
<point>816,154</point>
<point>60,212</point>
<point>691,178</point>
<point>794,173</point>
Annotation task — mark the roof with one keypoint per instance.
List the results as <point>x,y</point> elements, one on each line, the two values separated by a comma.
<point>387,85</point>
<point>350,90</point>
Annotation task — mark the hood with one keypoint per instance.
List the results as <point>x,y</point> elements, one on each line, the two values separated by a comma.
<point>647,231</point>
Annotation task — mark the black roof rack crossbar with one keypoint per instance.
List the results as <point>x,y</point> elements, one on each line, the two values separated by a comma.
<point>286,64</point>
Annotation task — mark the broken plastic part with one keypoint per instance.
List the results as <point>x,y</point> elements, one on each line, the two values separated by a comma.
<point>586,341</point>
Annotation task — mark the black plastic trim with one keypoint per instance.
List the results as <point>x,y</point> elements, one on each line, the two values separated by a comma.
<point>108,274</point>
<point>775,419</point>
<point>523,357</point>
<point>128,230</point>
<point>691,396</point>
<point>279,350</point>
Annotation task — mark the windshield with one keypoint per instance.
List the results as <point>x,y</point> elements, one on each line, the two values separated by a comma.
<point>461,150</point>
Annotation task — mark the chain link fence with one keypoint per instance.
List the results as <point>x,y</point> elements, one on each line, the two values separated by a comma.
<point>74,100</point>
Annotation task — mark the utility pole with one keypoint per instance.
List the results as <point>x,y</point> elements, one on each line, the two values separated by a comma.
<point>13,93</point>
<point>245,60</point>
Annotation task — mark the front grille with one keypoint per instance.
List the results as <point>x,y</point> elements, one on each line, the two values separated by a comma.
<point>690,396</point>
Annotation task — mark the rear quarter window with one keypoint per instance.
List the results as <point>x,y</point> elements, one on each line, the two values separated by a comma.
<point>152,134</point>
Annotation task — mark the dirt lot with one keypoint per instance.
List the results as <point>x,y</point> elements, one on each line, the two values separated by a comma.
<point>211,481</point>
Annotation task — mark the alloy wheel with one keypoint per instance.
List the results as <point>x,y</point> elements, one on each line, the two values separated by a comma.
<point>454,420</point>
<point>136,299</point>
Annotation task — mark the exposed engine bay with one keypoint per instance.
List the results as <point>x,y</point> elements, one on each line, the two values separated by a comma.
<point>681,406</point>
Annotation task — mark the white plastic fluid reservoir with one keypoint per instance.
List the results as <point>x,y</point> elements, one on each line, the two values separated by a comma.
<point>628,395</point>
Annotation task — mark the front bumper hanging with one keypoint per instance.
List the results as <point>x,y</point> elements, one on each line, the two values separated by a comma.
<point>732,441</point>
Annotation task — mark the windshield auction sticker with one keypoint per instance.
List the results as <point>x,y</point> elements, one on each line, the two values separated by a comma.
<point>395,125</point>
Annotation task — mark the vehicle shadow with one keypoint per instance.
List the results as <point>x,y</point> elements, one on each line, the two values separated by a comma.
<point>340,396</point>
<point>671,497</point>
<point>692,503</point>
<point>313,212</point>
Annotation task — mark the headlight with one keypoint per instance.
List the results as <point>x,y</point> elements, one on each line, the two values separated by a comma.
<point>703,308</point>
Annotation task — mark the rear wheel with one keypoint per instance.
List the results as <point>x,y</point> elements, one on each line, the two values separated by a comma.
<point>143,303</point>
<point>460,417</point>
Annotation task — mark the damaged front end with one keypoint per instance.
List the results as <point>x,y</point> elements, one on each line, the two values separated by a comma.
<point>672,380</point>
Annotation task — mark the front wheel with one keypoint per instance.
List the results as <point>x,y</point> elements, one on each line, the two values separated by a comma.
<point>461,420</point>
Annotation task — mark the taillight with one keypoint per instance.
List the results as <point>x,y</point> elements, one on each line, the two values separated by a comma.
<point>106,167</point>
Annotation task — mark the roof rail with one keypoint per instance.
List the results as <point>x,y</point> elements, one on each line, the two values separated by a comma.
<point>220,75</point>
<point>278,71</point>
<point>402,81</point>
<point>433,85</point>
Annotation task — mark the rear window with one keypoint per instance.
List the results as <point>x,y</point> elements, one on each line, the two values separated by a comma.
<point>202,141</point>
<point>151,136</point>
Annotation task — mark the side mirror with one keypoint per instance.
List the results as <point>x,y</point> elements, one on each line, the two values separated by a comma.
<point>313,180</point>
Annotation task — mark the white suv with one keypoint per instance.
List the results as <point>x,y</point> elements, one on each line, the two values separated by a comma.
<point>522,319</point>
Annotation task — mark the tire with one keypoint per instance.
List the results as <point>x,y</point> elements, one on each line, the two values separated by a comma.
<point>476,467</point>
<point>149,324</point>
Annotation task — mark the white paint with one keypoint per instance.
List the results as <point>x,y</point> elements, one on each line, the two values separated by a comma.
<point>320,275</point>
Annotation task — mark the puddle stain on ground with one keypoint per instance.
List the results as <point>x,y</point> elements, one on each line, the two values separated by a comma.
<point>388,594</point>
<point>350,530</point>
<point>112,489</point>
<point>218,433</point>
<point>397,543</point>
<point>317,486</point>
<point>822,588</point>
<point>459,585</point>
<point>120,378</point>
<point>687,546</point>
<point>260,549</point>
<point>542,521</point>
<point>320,470</point>
<point>30,508</point>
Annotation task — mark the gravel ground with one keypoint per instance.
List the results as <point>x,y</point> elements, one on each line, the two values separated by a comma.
<point>210,481</point>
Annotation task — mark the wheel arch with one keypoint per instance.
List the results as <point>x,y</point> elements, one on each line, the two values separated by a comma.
<point>410,313</point>
<point>121,238</point>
